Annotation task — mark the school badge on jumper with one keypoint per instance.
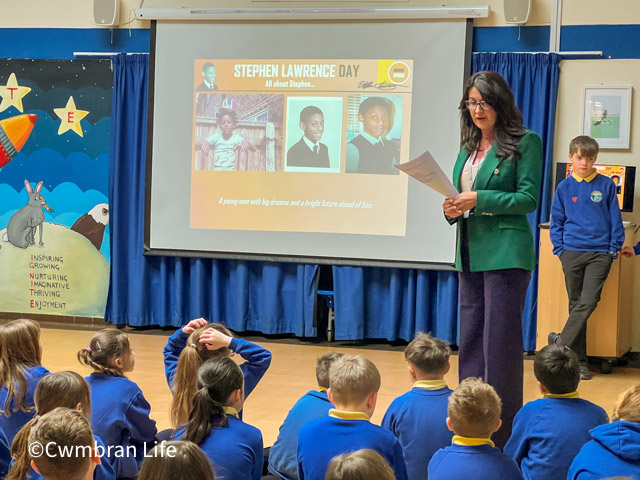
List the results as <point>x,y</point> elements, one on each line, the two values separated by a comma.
<point>596,196</point>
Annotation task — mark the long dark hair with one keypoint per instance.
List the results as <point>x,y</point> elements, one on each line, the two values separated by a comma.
<point>509,130</point>
<point>218,378</point>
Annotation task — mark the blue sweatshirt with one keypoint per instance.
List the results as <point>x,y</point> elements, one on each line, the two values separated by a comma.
<point>613,452</point>
<point>235,451</point>
<point>282,456</point>
<point>548,433</point>
<point>343,432</point>
<point>477,462</point>
<point>410,416</point>
<point>120,417</point>
<point>11,425</point>
<point>585,216</point>
<point>5,454</point>
<point>257,359</point>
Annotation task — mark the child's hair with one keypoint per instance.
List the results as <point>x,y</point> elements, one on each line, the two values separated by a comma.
<point>627,406</point>
<point>323,365</point>
<point>227,112</point>
<point>208,65</point>
<point>376,101</point>
<point>428,354</point>
<point>308,111</point>
<point>60,389</point>
<point>176,460</point>
<point>352,378</point>
<point>191,359</point>
<point>557,367</point>
<point>67,430</point>
<point>586,145</point>
<point>105,346</point>
<point>474,409</point>
<point>218,378</point>
<point>362,464</point>
<point>19,349</point>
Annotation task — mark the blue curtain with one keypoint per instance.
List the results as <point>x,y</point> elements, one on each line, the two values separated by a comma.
<point>534,81</point>
<point>395,303</point>
<point>167,291</point>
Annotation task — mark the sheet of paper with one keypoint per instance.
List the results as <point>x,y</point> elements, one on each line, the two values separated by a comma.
<point>426,170</point>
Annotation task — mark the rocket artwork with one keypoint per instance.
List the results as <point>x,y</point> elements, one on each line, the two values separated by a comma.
<point>14,132</point>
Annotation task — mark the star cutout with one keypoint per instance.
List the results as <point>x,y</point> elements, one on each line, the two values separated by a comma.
<point>12,94</point>
<point>70,117</point>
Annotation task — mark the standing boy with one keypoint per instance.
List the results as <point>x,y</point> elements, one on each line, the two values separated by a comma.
<point>309,152</point>
<point>549,432</point>
<point>354,384</point>
<point>424,407</point>
<point>587,234</point>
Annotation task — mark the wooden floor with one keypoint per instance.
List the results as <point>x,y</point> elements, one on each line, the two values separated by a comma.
<point>292,373</point>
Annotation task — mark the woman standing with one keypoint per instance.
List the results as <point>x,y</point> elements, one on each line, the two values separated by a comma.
<point>498,172</point>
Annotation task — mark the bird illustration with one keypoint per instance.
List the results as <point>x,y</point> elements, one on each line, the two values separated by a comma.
<point>93,223</point>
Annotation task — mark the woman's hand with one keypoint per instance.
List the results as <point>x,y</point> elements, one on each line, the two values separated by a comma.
<point>450,210</point>
<point>214,340</point>
<point>466,201</point>
<point>193,324</point>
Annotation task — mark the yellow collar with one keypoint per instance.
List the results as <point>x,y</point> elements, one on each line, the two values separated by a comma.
<point>586,179</point>
<point>562,395</point>
<point>471,441</point>
<point>348,415</point>
<point>430,384</point>
<point>231,411</point>
<point>322,389</point>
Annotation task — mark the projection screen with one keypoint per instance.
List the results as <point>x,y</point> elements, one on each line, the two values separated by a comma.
<point>279,140</point>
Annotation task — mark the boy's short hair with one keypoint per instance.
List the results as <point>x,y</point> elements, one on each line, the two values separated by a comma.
<point>63,430</point>
<point>323,365</point>
<point>308,111</point>
<point>208,65</point>
<point>375,101</point>
<point>428,354</point>
<point>352,379</point>
<point>587,146</point>
<point>474,408</point>
<point>362,464</point>
<point>557,367</point>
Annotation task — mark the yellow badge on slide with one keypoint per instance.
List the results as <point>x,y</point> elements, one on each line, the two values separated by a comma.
<point>393,71</point>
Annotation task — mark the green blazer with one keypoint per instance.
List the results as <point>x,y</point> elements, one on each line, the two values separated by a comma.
<point>497,230</point>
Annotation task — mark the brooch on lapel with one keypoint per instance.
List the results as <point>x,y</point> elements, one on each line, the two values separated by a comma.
<point>496,171</point>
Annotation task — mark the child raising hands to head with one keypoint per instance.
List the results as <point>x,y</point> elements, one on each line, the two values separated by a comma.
<point>225,142</point>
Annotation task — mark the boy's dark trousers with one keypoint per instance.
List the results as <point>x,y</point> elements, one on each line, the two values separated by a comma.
<point>584,276</point>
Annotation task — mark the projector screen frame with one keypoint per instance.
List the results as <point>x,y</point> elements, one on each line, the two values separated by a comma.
<point>274,257</point>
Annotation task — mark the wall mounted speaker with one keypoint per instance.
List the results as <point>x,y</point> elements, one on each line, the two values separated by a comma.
<point>106,12</point>
<point>517,11</point>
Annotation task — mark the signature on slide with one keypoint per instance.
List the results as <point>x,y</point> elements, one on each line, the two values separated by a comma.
<point>379,86</point>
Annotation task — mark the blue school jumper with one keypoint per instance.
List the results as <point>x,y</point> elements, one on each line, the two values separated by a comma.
<point>342,432</point>
<point>257,359</point>
<point>585,216</point>
<point>548,433</point>
<point>473,458</point>
<point>104,471</point>
<point>235,451</point>
<point>613,452</point>
<point>5,454</point>
<point>418,419</point>
<point>120,417</point>
<point>11,425</point>
<point>282,456</point>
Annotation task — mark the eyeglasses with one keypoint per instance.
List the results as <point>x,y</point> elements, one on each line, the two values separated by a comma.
<point>473,105</point>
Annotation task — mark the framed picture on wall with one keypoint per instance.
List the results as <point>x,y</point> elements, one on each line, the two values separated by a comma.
<point>606,115</point>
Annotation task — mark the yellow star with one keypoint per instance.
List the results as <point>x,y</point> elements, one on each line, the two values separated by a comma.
<point>12,94</point>
<point>70,117</point>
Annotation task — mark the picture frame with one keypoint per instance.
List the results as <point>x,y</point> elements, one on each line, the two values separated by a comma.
<point>606,115</point>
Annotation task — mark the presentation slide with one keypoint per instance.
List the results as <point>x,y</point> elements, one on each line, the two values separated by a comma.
<point>279,141</point>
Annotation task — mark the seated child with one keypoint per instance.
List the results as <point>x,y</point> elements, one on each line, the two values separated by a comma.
<point>309,151</point>
<point>20,372</point>
<point>615,447</point>
<point>233,447</point>
<point>362,464</point>
<point>424,407</point>
<point>225,142</point>
<point>60,389</point>
<point>354,383</point>
<point>312,405</point>
<point>474,415</point>
<point>176,460</point>
<point>68,430</point>
<point>548,433</point>
<point>190,346</point>
<point>120,415</point>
